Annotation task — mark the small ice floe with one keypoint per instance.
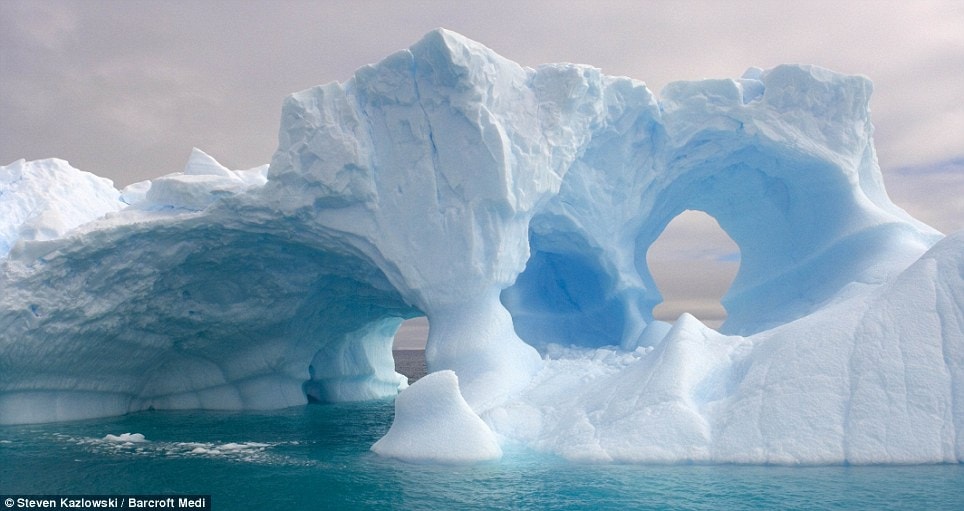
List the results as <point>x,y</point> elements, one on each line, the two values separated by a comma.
<point>133,438</point>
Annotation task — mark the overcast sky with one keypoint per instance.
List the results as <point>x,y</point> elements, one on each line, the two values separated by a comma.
<point>126,88</point>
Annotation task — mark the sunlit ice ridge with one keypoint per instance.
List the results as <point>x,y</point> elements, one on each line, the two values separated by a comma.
<point>513,207</point>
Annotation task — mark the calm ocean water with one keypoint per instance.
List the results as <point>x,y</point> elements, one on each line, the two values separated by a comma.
<point>411,363</point>
<point>317,457</point>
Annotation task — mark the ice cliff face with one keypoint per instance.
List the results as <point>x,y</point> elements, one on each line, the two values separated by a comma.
<point>514,208</point>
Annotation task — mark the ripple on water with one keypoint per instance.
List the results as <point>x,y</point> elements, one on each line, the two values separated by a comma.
<point>135,444</point>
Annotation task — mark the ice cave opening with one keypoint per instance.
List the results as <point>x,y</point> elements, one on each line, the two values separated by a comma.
<point>408,348</point>
<point>564,296</point>
<point>693,263</point>
<point>412,334</point>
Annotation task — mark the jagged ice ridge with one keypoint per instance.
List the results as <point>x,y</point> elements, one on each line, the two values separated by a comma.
<point>513,207</point>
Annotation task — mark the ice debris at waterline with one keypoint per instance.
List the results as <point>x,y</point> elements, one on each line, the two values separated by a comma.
<point>135,444</point>
<point>513,207</point>
<point>434,423</point>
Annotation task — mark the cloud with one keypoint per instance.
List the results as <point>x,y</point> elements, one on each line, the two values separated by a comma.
<point>412,334</point>
<point>80,75</point>
<point>126,89</point>
<point>693,263</point>
<point>932,193</point>
<point>693,236</point>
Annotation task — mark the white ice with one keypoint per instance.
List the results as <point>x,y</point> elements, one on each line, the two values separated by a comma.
<point>134,438</point>
<point>44,199</point>
<point>513,207</point>
<point>434,423</point>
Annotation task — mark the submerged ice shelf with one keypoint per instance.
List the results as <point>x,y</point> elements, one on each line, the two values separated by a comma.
<point>513,207</point>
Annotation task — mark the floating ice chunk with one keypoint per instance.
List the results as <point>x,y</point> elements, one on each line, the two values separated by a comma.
<point>434,423</point>
<point>126,437</point>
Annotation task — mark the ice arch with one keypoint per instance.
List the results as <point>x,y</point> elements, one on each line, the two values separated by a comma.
<point>809,213</point>
<point>499,201</point>
<point>808,219</point>
<point>179,303</point>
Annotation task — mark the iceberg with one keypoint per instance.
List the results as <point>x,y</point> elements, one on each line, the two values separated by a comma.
<point>513,207</point>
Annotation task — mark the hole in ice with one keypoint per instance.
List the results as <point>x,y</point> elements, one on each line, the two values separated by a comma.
<point>563,295</point>
<point>693,262</point>
<point>409,348</point>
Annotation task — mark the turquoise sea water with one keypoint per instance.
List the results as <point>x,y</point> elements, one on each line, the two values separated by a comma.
<point>317,457</point>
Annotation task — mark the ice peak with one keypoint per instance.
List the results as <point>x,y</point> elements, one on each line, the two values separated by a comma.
<point>203,164</point>
<point>448,59</point>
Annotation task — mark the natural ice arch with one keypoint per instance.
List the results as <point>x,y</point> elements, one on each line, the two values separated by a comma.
<point>356,366</point>
<point>179,301</point>
<point>430,179</point>
<point>214,329</point>
<point>693,262</point>
<point>810,215</point>
<point>810,219</point>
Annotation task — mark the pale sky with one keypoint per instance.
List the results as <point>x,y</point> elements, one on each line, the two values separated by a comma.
<point>125,88</point>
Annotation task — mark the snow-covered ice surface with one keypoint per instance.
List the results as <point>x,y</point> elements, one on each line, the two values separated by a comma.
<point>42,200</point>
<point>513,207</point>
